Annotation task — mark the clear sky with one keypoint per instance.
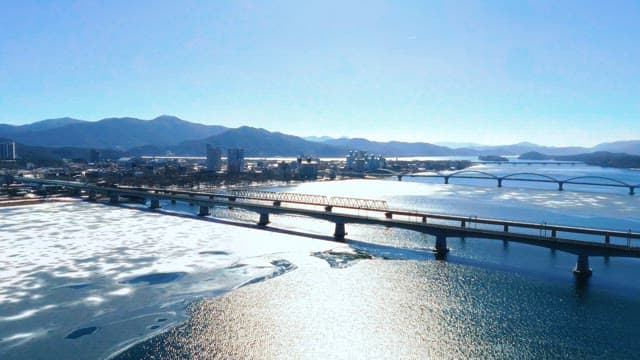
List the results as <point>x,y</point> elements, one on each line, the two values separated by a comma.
<point>494,72</point>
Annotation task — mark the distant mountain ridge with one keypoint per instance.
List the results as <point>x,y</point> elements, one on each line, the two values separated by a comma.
<point>598,158</point>
<point>255,142</point>
<point>116,133</point>
<point>171,134</point>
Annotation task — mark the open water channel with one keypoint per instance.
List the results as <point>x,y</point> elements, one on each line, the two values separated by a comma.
<point>82,280</point>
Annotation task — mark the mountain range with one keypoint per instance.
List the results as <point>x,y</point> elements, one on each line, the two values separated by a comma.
<point>131,136</point>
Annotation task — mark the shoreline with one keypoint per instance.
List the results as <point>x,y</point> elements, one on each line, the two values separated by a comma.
<point>35,200</point>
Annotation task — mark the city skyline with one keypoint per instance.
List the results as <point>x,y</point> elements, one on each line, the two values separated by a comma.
<point>493,73</point>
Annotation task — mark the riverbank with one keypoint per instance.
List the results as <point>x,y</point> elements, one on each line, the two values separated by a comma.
<point>7,202</point>
<point>392,309</point>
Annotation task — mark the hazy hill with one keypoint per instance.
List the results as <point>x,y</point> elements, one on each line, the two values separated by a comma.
<point>396,148</point>
<point>37,126</point>
<point>599,158</point>
<point>258,142</point>
<point>524,147</point>
<point>121,133</point>
<point>629,147</point>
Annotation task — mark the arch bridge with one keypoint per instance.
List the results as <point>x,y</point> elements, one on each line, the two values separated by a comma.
<point>528,177</point>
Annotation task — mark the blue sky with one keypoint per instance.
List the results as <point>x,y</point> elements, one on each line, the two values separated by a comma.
<point>494,72</point>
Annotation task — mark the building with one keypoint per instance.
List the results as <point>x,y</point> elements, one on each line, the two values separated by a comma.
<point>307,169</point>
<point>361,161</point>
<point>235,161</point>
<point>8,151</point>
<point>214,158</point>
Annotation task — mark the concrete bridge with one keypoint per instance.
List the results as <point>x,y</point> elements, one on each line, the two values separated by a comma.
<point>518,177</point>
<point>340,211</point>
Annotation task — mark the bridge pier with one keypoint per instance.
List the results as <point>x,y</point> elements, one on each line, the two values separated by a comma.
<point>328,208</point>
<point>388,215</point>
<point>582,268</point>
<point>499,182</point>
<point>264,219</point>
<point>399,177</point>
<point>114,198</point>
<point>441,245</point>
<point>560,185</point>
<point>339,232</point>
<point>231,198</point>
<point>632,190</point>
<point>154,204</point>
<point>204,211</point>
<point>92,195</point>
<point>446,179</point>
<point>173,201</point>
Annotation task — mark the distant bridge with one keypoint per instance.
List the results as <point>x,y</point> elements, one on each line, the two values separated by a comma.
<point>527,162</point>
<point>519,176</point>
<point>340,211</point>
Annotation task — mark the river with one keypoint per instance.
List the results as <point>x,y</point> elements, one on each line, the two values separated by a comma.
<point>82,280</point>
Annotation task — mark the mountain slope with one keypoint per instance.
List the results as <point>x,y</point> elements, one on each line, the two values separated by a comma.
<point>258,142</point>
<point>629,147</point>
<point>119,133</point>
<point>6,130</point>
<point>396,148</point>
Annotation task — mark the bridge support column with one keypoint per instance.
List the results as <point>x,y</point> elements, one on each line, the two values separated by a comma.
<point>114,198</point>
<point>560,184</point>
<point>204,211</point>
<point>399,177</point>
<point>441,245</point>
<point>173,201</point>
<point>339,233</point>
<point>446,179</point>
<point>328,208</point>
<point>264,219</point>
<point>388,215</point>
<point>582,268</point>
<point>155,204</point>
<point>231,198</point>
<point>499,182</point>
<point>632,190</point>
<point>505,228</point>
<point>92,195</point>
